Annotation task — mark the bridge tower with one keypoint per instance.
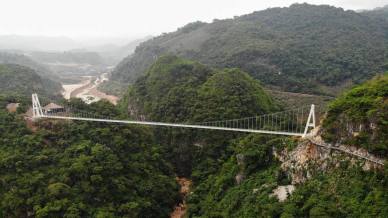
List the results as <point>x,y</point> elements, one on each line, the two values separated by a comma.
<point>36,108</point>
<point>310,120</point>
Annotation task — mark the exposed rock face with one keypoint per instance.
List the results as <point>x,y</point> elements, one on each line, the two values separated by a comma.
<point>239,178</point>
<point>308,159</point>
<point>240,159</point>
<point>12,107</point>
<point>282,192</point>
<point>349,149</point>
<point>297,163</point>
<point>240,175</point>
<point>134,111</point>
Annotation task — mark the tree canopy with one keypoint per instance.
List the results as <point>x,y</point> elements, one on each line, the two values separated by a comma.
<point>79,169</point>
<point>360,117</point>
<point>23,81</point>
<point>301,48</point>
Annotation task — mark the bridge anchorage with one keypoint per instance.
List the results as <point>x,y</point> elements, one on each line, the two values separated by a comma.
<point>296,122</point>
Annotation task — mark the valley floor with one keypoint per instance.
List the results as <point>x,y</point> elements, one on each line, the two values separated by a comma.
<point>87,90</point>
<point>180,209</point>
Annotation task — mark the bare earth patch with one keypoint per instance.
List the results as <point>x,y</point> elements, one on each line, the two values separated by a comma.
<point>12,107</point>
<point>111,98</point>
<point>180,209</point>
<point>87,90</point>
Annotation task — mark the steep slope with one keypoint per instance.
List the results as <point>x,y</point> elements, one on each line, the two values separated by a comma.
<point>229,94</point>
<point>378,13</point>
<point>22,81</point>
<point>360,117</point>
<point>20,59</point>
<point>302,48</point>
<point>282,177</point>
<point>247,185</point>
<point>82,169</point>
<point>175,89</point>
<point>113,54</point>
<point>178,90</point>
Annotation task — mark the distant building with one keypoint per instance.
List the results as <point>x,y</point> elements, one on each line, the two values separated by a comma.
<point>53,108</point>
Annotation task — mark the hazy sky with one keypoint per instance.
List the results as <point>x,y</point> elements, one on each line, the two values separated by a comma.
<point>131,18</point>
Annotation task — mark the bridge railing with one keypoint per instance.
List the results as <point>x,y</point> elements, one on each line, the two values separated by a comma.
<point>291,122</point>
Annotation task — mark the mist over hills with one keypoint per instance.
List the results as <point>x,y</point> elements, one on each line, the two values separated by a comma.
<point>68,57</point>
<point>23,60</point>
<point>384,8</point>
<point>302,48</point>
<point>378,13</point>
<point>113,53</point>
<point>44,49</point>
<point>22,81</point>
<point>37,43</point>
<point>55,65</point>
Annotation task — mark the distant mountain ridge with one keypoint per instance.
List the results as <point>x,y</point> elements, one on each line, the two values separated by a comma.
<point>112,50</point>
<point>92,58</point>
<point>23,60</point>
<point>302,48</point>
<point>23,81</point>
<point>378,13</point>
<point>384,8</point>
<point>113,53</point>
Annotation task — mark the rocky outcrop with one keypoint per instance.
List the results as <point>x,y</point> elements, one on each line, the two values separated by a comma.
<point>348,149</point>
<point>312,156</point>
<point>282,192</point>
<point>240,175</point>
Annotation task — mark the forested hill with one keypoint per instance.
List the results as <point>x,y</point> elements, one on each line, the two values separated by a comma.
<point>23,60</point>
<point>179,90</point>
<point>176,90</point>
<point>302,48</point>
<point>360,117</point>
<point>335,186</point>
<point>82,169</point>
<point>22,81</point>
<point>378,13</point>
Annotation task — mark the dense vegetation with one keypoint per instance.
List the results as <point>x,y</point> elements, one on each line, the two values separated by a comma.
<point>23,81</point>
<point>82,169</point>
<point>243,186</point>
<point>347,191</point>
<point>20,59</point>
<point>178,90</point>
<point>79,169</point>
<point>304,48</point>
<point>378,13</point>
<point>360,117</point>
<point>175,89</point>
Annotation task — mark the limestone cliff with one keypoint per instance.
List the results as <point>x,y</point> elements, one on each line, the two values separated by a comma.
<point>313,155</point>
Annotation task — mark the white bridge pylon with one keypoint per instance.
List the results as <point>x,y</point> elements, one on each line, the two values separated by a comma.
<point>296,122</point>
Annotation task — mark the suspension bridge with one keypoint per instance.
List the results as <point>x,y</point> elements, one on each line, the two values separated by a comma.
<point>296,122</point>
